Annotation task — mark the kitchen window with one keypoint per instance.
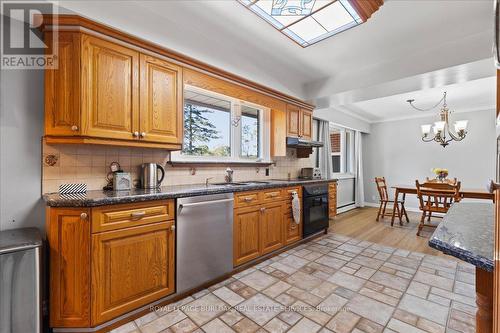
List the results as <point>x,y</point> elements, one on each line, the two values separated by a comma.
<point>219,127</point>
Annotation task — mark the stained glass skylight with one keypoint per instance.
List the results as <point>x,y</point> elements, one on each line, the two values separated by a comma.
<point>306,21</point>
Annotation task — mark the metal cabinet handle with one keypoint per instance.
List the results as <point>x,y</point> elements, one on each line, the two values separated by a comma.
<point>84,216</point>
<point>263,209</point>
<point>143,134</point>
<point>172,228</point>
<point>492,186</point>
<point>273,195</point>
<point>135,134</point>
<point>74,128</point>
<point>138,215</point>
<point>248,199</point>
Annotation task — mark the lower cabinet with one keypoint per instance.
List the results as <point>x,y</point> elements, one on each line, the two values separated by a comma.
<point>332,200</point>
<point>271,227</point>
<point>246,229</point>
<point>131,267</point>
<point>101,270</point>
<point>263,223</point>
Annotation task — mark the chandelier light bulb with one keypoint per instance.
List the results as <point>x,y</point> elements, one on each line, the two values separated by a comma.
<point>461,125</point>
<point>426,129</point>
<point>439,126</point>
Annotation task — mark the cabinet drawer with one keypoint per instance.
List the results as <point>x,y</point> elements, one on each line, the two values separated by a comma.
<point>127,215</point>
<point>287,193</point>
<point>271,195</point>
<point>246,199</point>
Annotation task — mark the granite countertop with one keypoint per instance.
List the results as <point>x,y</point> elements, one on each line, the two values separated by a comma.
<point>100,198</point>
<point>467,233</point>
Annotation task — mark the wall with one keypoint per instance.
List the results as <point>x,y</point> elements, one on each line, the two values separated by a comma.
<point>343,119</point>
<point>394,150</point>
<point>90,164</point>
<point>21,119</point>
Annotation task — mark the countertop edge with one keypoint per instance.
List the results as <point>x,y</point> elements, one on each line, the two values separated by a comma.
<point>467,256</point>
<point>76,200</point>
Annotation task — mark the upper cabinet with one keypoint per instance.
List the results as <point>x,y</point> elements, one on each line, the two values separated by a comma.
<point>299,122</point>
<point>107,93</point>
<point>110,89</point>
<point>113,88</point>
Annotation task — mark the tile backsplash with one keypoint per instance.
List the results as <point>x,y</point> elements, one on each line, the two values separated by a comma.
<point>90,164</point>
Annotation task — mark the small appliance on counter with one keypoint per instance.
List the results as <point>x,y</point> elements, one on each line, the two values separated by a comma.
<point>149,175</point>
<point>310,173</point>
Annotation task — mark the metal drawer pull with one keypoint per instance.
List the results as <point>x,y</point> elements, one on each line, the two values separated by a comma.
<point>83,216</point>
<point>138,215</point>
<point>247,199</point>
<point>273,195</point>
<point>203,203</point>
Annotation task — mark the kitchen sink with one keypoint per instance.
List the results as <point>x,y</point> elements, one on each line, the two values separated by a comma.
<point>239,183</point>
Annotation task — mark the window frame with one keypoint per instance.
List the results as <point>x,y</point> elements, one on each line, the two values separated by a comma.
<point>346,162</point>
<point>235,132</point>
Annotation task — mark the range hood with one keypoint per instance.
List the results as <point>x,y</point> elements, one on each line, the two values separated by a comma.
<point>302,143</point>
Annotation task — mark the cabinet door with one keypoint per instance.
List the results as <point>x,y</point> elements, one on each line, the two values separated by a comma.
<point>332,200</point>
<point>130,268</point>
<point>293,231</point>
<point>62,87</point>
<point>68,234</point>
<point>246,234</point>
<point>293,121</point>
<point>110,89</point>
<point>306,124</point>
<point>271,227</point>
<point>161,110</point>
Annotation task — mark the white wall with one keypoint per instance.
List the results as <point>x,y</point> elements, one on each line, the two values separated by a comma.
<point>394,150</point>
<point>21,129</point>
<point>341,118</point>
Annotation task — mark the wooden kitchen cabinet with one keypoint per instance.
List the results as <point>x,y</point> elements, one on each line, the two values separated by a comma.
<point>109,260</point>
<point>246,233</point>
<point>131,267</point>
<point>109,93</point>
<point>271,227</point>
<point>62,87</point>
<point>306,124</point>
<point>332,200</point>
<point>299,122</point>
<point>161,100</point>
<point>68,235</point>
<point>262,223</point>
<point>110,89</point>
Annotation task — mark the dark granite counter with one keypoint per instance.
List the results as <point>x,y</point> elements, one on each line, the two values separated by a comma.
<point>100,198</point>
<point>467,233</point>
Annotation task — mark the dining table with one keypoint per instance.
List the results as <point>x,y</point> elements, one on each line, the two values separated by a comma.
<point>472,193</point>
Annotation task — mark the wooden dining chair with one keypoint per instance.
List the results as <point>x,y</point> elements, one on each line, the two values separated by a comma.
<point>384,200</point>
<point>447,184</point>
<point>435,198</point>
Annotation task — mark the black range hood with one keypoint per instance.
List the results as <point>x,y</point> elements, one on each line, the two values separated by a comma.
<point>302,143</point>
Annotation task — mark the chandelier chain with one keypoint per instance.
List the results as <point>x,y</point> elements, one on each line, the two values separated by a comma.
<point>432,107</point>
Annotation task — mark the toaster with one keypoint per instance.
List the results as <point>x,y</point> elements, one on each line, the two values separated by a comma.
<point>310,173</point>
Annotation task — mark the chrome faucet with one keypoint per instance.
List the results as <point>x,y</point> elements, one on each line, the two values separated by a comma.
<point>229,175</point>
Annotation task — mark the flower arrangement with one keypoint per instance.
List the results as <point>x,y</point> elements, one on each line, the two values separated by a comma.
<point>440,173</point>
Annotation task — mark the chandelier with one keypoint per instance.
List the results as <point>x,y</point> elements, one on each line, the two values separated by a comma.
<point>442,132</point>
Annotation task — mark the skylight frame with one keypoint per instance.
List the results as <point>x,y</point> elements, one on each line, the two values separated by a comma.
<point>285,28</point>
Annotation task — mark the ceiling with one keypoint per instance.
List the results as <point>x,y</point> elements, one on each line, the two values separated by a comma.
<point>473,95</point>
<point>225,34</point>
<point>408,48</point>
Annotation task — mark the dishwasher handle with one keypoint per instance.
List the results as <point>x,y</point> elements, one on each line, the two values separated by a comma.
<point>202,203</point>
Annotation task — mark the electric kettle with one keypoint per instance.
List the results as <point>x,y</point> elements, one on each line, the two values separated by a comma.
<point>149,175</point>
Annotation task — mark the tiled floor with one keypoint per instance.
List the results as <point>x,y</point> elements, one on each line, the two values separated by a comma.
<point>332,284</point>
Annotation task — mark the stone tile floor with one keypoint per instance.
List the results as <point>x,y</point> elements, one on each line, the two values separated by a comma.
<point>331,284</point>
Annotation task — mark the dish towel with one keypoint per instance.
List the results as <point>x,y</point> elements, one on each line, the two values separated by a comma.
<point>296,207</point>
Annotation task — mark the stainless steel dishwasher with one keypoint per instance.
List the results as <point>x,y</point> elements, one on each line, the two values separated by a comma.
<point>204,239</point>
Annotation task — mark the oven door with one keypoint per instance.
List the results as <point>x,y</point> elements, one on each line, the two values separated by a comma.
<point>315,214</point>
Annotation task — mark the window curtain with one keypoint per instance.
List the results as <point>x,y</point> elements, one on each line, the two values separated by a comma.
<point>358,169</point>
<point>325,155</point>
